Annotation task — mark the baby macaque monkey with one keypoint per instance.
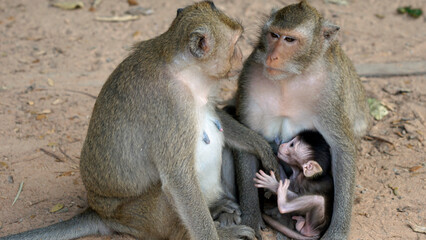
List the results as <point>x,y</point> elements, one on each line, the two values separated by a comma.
<point>308,192</point>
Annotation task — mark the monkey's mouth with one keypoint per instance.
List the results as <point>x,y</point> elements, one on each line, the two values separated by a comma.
<point>273,71</point>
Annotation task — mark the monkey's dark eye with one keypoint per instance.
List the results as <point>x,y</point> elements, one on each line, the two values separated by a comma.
<point>274,35</point>
<point>289,39</point>
<point>292,144</point>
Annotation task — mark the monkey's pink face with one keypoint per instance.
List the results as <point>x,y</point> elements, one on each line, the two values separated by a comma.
<point>294,153</point>
<point>281,48</point>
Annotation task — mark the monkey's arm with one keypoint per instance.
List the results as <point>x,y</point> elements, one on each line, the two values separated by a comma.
<point>244,139</point>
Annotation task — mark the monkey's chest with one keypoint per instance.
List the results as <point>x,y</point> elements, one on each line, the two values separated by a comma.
<point>280,110</point>
<point>209,156</point>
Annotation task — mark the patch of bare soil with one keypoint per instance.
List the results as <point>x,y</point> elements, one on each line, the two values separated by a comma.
<point>54,62</point>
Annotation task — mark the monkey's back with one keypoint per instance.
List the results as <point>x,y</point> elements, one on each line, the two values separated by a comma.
<point>136,113</point>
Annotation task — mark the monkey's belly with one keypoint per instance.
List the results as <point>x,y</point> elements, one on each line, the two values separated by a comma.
<point>209,158</point>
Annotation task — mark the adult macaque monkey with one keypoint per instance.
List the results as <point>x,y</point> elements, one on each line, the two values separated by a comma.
<point>298,78</point>
<point>151,160</point>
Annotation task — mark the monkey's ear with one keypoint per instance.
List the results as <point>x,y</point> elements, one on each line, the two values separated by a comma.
<point>200,43</point>
<point>312,169</point>
<point>329,30</point>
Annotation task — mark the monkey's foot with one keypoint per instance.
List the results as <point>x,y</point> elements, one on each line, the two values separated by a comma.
<point>300,222</point>
<point>226,212</point>
<point>237,232</point>
<point>254,222</point>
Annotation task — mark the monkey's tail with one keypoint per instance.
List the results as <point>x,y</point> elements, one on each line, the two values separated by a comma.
<point>285,230</point>
<point>83,224</point>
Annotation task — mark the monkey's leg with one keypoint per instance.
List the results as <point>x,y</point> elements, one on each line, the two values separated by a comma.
<point>246,167</point>
<point>313,206</point>
<point>226,210</point>
<point>343,156</point>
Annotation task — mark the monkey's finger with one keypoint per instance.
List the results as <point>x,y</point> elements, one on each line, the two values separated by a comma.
<point>261,176</point>
<point>259,181</point>
<point>272,174</point>
<point>286,183</point>
<point>237,219</point>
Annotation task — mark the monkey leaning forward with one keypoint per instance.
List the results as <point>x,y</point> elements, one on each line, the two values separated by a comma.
<point>146,164</point>
<point>298,78</point>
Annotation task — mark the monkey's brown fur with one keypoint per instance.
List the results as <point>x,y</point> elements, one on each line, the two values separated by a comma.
<point>144,163</point>
<point>298,78</point>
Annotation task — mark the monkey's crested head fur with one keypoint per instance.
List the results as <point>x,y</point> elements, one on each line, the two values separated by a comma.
<point>320,150</point>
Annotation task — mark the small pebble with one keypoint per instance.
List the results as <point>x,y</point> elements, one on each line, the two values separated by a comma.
<point>10,179</point>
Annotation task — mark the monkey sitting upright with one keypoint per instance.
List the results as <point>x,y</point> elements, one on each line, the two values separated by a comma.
<point>145,164</point>
<point>309,191</point>
<point>299,78</point>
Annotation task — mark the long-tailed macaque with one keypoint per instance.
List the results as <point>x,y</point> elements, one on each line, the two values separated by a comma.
<point>151,160</point>
<point>298,78</point>
<point>309,190</point>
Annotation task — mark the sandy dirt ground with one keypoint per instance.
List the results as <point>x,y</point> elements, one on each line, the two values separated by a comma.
<point>53,63</point>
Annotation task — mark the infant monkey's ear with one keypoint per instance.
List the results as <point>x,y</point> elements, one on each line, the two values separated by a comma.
<point>312,169</point>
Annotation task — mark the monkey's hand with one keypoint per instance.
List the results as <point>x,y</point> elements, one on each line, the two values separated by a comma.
<point>282,195</point>
<point>269,161</point>
<point>242,138</point>
<point>263,180</point>
<point>236,232</point>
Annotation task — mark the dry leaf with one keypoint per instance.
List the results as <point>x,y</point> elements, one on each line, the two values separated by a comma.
<point>41,117</point>
<point>52,144</point>
<point>68,5</point>
<point>67,174</point>
<point>45,111</point>
<point>377,110</point>
<point>3,164</point>
<point>415,168</point>
<point>123,18</point>
<point>50,82</point>
<point>57,101</point>
<point>135,34</point>
<point>394,190</point>
<point>132,2</point>
<point>30,103</point>
<point>57,207</point>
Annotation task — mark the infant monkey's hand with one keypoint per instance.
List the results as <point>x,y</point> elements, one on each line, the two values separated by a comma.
<point>263,180</point>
